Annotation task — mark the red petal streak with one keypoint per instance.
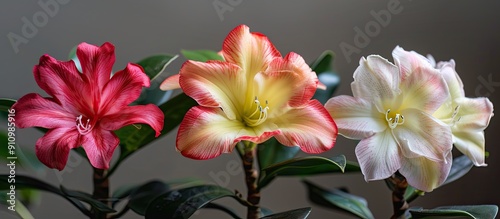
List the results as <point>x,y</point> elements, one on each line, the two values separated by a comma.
<point>53,148</point>
<point>99,146</point>
<point>97,62</point>
<point>32,110</point>
<point>149,114</point>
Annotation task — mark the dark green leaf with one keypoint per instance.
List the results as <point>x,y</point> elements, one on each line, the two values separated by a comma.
<point>6,104</point>
<point>300,213</point>
<point>306,166</point>
<point>467,211</point>
<point>460,166</point>
<point>18,207</point>
<point>339,200</point>
<point>142,196</point>
<point>185,202</point>
<point>26,159</point>
<point>87,198</point>
<point>26,182</point>
<point>323,66</point>
<point>201,55</point>
<point>323,63</point>
<point>154,65</point>
<point>271,152</point>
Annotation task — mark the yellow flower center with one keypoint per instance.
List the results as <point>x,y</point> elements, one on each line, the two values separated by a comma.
<point>258,115</point>
<point>83,127</point>
<point>394,119</point>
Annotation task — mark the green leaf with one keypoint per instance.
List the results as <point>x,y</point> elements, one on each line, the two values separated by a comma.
<point>87,198</point>
<point>324,62</point>
<point>201,55</point>
<point>306,166</point>
<point>338,200</point>
<point>154,67</point>
<point>460,166</point>
<point>271,152</point>
<point>19,208</point>
<point>26,182</point>
<point>132,138</point>
<point>468,211</point>
<point>223,209</point>
<point>300,213</point>
<point>26,159</point>
<point>323,68</point>
<point>182,203</point>
<point>6,104</point>
<point>143,195</point>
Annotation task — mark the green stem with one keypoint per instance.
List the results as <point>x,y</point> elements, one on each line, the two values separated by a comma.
<point>101,192</point>
<point>399,203</point>
<point>251,176</point>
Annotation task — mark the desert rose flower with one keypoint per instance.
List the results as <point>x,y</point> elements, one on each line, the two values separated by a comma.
<point>85,107</point>
<point>253,95</point>
<point>391,113</point>
<point>468,117</point>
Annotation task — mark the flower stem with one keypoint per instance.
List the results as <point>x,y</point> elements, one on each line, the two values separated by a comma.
<point>399,203</point>
<point>101,191</point>
<point>251,176</point>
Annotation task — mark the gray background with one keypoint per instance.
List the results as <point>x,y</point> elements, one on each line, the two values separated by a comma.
<point>467,31</point>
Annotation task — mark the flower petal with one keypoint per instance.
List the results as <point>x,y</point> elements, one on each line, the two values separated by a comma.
<point>144,114</point>
<point>122,89</point>
<point>472,145</point>
<point>355,118</point>
<point>425,174</point>
<point>423,135</point>
<point>214,84</point>
<point>97,62</point>
<point>296,78</point>
<point>408,61</point>
<point>251,51</point>
<point>310,127</point>
<point>424,89</point>
<point>32,110</point>
<point>170,83</point>
<point>378,156</point>
<point>455,85</point>
<point>474,114</point>
<point>53,148</point>
<point>99,146</point>
<point>376,80</point>
<point>206,133</point>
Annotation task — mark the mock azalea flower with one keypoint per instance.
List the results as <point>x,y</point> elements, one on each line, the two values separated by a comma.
<point>468,117</point>
<point>85,107</point>
<point>253,95</point>
<point>391,113</point>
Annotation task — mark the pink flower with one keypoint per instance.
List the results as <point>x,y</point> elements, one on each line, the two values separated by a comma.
<point>253,95</point>
<point>85,108</point>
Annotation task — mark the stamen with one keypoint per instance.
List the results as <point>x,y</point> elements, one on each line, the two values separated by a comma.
<point>250,120</point>
<point>83,128</point>
<point>393,122</point>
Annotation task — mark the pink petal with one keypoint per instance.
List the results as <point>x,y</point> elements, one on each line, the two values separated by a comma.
<point>474,114</point>
<point>124,87</point>
<point>310,127</point>
<point>408,61</point>
<point>355,118</point>
<point>293,74</point>
<point>53,148</point>
<point>97,62</point>
<point>171,83</point>
<point>425,174</point>
<point>421,135</point>
<point>376,80</point>
<point>99,146</point>
<point>455,85</point>
<point>424,89</point>
<point>214,84</point>
<point>63,81</point>
<point>206,133</point>
<point>251,51</point>
<point>32,110</point>
<point>141,114</point>
<point>378,156</point>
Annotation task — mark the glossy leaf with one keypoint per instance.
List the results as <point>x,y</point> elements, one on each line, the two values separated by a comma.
<point>323,63</point>
<point>223,209</point>
<point>87,198</point>
<point>323,66</point>
<point>6,104</point>
<point>460,166</point>
<point>143,195</point>
<point>182,203</point>
<point>338,200</point>
<point>300,213</point>
<point>201,55</point>
<point>306,166</point>
<point>467,211</point>
<point>272,152</point>
<point>26,182</point>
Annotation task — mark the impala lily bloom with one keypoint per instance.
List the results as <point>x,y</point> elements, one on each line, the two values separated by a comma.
<point>468,117</point>
<point>85,107</point>
<point>253,95</point>
<point>391,112</point>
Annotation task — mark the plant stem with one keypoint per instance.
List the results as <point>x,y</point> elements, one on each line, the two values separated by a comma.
<point>101,191</point>
<point>399,203</point>
<point>251,176</point>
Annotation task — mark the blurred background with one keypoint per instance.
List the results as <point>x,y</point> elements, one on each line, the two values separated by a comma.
<point>466,31</point>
